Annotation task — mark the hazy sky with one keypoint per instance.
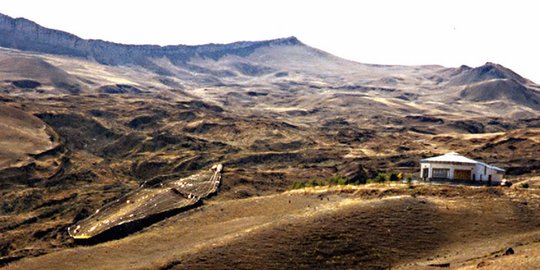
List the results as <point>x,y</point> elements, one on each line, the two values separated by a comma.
<point>449,33</point>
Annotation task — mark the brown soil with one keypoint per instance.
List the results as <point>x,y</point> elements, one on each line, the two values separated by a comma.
<point>83,134</point>
<point>368,227</point>
<point>102,154</point>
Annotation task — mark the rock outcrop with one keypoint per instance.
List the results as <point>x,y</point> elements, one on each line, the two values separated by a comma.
<point>23,34</point>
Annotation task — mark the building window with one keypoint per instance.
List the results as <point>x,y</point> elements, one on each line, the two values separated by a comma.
<point>485,170</point>
<point>440,173</point>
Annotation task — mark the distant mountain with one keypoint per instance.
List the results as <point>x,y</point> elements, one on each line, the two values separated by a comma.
<point>494,82</point>
<point>244,58</point>
<point>502,90</point>
<point>285,68</point>
<point>23,34</point>
<point>489,71</point>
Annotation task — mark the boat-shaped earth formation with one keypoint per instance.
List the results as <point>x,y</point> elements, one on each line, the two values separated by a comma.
<point>147,204</point>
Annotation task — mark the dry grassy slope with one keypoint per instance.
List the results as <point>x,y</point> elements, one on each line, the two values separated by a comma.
<point>502,89</point>
<point>37,73</point>
<point>24,138</point>
<point>279,114</point>
<point>268,133</point>
<point>526,257</point>
<point>367,227</point>
<point>114,146</point>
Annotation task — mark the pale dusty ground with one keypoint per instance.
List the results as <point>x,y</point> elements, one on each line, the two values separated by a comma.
<point>472,232</point>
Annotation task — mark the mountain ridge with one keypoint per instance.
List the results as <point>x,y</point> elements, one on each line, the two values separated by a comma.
<point>284,61</point>
<point>486,72</point>
<point>24,34</point>
<point>500,89</point>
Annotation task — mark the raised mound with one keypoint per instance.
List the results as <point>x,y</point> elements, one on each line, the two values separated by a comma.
<point>32,72</point>
<point>502,90</point>
<point>28,133</point>
<point>349,228</point>
<point>489,71</point>
<point>119,89</point>
<point>29,149</point>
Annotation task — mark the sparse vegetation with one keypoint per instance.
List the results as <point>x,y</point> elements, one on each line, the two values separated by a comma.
<point>337,180</point>
<point>96,135</point>
<point>381,177</point>
<point>394,176</point>
<point>332,181</point>
<point>297,185</point>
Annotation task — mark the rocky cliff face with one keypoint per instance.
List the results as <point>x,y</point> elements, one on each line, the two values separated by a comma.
<point>23,34</point>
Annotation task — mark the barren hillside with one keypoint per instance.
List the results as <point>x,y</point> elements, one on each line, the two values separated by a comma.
<point>369,227</point>
<point>86,121</point>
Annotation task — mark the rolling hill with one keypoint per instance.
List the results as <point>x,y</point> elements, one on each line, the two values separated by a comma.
<point>34,72</point>
<point>284,64</point>
<point>502,90</point>
<point>89,120</point>
<point>489,71</point>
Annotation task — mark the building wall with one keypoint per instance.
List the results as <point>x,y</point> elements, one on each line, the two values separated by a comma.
<point>482,173</point>
<point>451,168</point>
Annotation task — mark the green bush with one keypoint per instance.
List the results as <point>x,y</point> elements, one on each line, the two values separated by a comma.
<point>524,185</point>
<point>394,176</point>
<point>381,177</point>
<point>298,185</point>
<point>342,181</point>
<point>334,180</point>
<point>357,181</point>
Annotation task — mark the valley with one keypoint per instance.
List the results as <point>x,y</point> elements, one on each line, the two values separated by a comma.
<point>84,122</point>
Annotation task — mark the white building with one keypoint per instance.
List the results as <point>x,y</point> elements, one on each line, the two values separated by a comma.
<point>457,167</point>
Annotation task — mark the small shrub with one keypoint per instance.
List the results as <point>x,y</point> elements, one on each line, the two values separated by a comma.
<point>337,180</point>
<point>298,185</point>
<point>381,177</point>
<point>524,185</point>
<point>394,176</point>
<point>333,180</point>
<point>357,181</point>
<point>343,181</point>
